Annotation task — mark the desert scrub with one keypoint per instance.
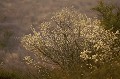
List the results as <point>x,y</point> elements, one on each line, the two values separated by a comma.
<point>75,45</point>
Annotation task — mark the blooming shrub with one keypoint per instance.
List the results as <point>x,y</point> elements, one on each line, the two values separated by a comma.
<point>76,44</point>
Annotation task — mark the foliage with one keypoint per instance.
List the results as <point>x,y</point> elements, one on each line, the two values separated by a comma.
<point>109,15</point>
<point>75,45</point>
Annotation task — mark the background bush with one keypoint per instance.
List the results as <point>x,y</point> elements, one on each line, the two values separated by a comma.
<point>109,14</point>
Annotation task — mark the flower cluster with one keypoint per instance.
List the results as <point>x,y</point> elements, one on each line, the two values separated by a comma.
<point>28,59</point>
